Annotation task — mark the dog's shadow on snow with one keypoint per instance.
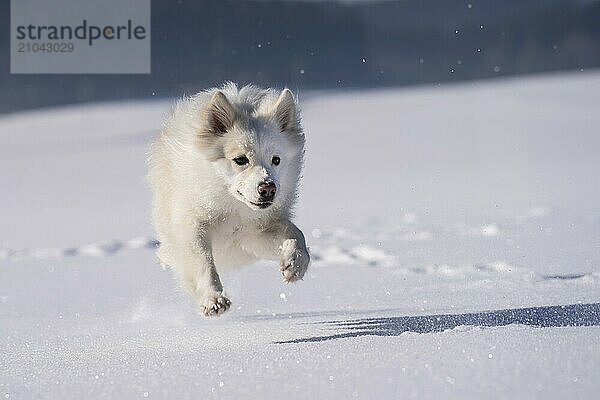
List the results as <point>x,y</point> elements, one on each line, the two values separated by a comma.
<point>549,316</point>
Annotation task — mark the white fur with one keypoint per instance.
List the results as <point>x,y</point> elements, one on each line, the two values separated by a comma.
<point>205,210</point>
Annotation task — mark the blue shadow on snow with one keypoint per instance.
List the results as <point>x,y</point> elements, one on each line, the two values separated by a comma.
<point>547,316</point>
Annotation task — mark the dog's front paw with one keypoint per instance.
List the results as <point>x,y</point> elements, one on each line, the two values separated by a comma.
<point>294,260</point>
<point>214,304</point>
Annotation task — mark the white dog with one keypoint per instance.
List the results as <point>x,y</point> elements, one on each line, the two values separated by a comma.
<point>224,174</point>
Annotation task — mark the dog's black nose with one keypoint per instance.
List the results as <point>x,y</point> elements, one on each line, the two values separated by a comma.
<point>266,190</point>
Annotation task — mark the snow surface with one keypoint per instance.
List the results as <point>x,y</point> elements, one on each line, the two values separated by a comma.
<point>455,235</point>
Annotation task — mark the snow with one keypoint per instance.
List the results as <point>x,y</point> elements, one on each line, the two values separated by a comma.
<point>454,232</point>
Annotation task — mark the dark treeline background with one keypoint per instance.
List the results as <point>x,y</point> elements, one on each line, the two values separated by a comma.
<point>323,45</point>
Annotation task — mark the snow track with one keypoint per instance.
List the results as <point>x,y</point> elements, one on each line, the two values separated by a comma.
<point>102,249</point>
<point>322,256</point>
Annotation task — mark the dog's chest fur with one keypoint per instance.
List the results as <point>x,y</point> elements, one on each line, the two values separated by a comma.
<point>230,239</point>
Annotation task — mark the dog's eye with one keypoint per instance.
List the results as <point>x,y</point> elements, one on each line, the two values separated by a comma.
<point>276,160</point>
<point>241,160</point>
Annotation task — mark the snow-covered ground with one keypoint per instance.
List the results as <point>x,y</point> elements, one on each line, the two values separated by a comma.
<point>448,225</point>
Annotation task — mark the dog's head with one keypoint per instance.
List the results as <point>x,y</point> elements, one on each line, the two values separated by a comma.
<point>256,145</point>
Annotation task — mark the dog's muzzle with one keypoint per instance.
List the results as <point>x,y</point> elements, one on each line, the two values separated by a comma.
<point>266,191</point>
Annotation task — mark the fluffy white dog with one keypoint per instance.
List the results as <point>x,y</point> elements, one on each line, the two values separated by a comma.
<point>224,174</point>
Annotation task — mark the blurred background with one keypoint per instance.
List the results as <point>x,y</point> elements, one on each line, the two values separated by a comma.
<point>330,45</point>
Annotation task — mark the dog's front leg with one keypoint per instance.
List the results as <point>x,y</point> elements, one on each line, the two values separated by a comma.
<point>196,268</point>
<point>284,241</point>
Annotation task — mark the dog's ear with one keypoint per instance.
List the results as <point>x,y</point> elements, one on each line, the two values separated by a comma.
<point>285,112</point>
<point>219,115</point>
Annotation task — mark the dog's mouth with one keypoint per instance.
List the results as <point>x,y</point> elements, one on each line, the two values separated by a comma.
<point>261,205</point>
<point>264,204</point>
